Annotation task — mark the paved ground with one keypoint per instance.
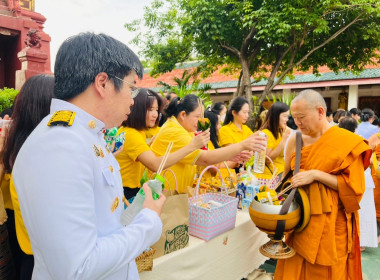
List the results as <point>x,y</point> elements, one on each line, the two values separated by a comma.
<point>371,264</point>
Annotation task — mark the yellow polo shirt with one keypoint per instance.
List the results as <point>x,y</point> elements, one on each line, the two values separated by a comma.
<point>152,131</point>
<point>21,233</point>
<point>230,134</point>
<point>279,161</point>
<point>185,169</point>
<point>131,169</point>
<point>6,192</point>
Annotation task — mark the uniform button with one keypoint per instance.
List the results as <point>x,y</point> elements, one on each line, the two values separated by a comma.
<point>111,168</point>
<point>92,124</point>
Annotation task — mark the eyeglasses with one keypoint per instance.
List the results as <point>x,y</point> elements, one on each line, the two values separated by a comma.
<point>134,90</point>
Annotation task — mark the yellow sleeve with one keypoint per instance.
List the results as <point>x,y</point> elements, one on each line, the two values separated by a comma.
<point>271,144</point>
<point>4,185</point>
<point>22,234</point>
<point>135,145</point>
<point>247,131</point>
<point>225,136</point>
<point>180,139</point>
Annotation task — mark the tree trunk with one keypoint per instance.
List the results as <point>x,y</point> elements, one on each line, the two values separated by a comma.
<point>247,88</point>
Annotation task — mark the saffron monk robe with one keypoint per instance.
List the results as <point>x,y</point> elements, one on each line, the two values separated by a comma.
<point>332,167</point>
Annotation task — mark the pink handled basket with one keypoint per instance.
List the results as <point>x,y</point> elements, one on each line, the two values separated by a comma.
<point>208,223</point>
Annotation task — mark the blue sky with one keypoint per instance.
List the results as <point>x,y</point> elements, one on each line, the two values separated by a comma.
<point>69,17</point>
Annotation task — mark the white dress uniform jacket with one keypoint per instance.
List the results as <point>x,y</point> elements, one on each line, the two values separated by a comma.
<point>70,193</point>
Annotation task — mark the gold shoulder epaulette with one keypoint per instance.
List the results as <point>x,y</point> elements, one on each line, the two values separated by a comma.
<point>64,118</point>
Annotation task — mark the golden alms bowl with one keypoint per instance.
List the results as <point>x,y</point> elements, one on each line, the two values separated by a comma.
<point>265,216</point>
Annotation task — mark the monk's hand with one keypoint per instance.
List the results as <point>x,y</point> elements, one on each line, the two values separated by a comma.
<point>154,205</point>
<point>255,142</point>
<point>303,178</point>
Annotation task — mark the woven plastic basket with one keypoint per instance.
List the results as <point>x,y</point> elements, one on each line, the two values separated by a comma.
<point>144,262</point>
<point>270,181</point>
<point>208,223</point>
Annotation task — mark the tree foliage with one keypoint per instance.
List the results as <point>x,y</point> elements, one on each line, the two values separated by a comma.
<point>263,39</point>
<point>189,83</point>
<point>7,97</point>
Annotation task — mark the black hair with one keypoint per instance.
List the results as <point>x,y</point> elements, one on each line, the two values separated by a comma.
<point>7,111</point>
<point>31,105</point>
<point>82,57</point>
<point>213,117</point>
<point>272,118</point>
<point>340,114</point>
<point>291,123</point>
<point>328,113</point>
<point>376,121</point>
<point>142,102</point>
<point>236,105</point>
<point>188,104</point>
<point>355,111</point>
<point>348,123</point>
<point>217,107</point>
<point>366,114</point>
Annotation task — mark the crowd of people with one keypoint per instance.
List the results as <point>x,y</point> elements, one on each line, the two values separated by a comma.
<point>64,187</point>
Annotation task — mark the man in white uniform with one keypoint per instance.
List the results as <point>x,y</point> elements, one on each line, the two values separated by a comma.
<point>69,184</point>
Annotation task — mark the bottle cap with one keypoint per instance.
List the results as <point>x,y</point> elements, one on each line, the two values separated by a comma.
<point>160,178</point>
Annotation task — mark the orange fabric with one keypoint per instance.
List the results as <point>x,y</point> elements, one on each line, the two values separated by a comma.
<point>328,248</point>
<point>376,190</point>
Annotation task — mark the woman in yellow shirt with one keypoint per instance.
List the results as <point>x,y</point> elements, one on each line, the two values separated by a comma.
<point>183,115</point>
<point>275,128</point>
<point>136,154</point>
<point>234,129</point>
<point>31,105</point>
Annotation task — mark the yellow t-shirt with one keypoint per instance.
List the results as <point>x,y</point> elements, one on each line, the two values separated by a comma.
<point>21,233</point>
<point>230,134</point>
<point>279,161</point>
<point>152,131</point>
<point>131,169</point>
<point>185,169</point>
<point>6,192</point>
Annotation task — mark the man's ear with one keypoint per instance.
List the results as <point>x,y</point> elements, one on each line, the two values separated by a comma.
<point>321,112</point>
<point>101,84</point>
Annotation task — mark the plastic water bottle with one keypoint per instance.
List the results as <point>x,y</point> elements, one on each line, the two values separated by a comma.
<point>259,161</point>
<point>132,210</point>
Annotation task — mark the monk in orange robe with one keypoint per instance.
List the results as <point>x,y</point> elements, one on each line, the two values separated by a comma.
<point>374,143</point>
<point>332,174</point>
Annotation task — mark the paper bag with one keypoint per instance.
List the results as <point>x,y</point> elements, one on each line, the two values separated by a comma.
<point>175,224</point>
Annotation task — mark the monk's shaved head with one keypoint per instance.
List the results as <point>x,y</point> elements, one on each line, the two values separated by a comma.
<point>313,99</point>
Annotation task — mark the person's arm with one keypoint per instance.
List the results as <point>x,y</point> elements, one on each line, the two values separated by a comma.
<point>290,149</point>
<point>273,153</point>
<point>151,161</point>
<point>304,178</point>
<point>252,143</point>
<point>3,136</point>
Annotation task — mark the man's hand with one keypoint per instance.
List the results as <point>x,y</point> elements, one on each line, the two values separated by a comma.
<point>155,205</point>
<point>303,178</point>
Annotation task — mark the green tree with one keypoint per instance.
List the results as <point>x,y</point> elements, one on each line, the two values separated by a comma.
<point>260,38</point>
<point>189,83</point>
